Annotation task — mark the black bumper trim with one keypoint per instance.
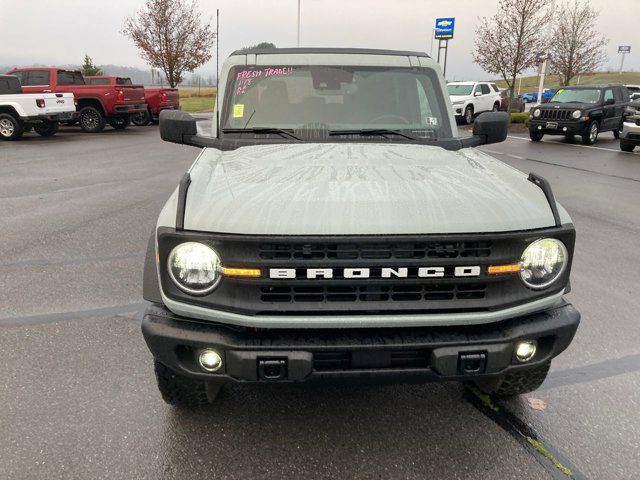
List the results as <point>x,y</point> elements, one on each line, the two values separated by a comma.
<point>422,354</point>
<point>573,128</point>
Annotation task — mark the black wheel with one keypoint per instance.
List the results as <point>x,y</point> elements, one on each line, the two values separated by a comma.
<point>515,383</point>
<point>10,127</point>
<point>183,391</point>
<point>120,123</point>
<point>496,107</point>
<point>141,119</point>
<point>467,119</point>
<point>591,134</point>
<point>91,120</point>
<point>47,129</point>
<point>626,147</point>
<point>535,136</point>
<point>616,134</point>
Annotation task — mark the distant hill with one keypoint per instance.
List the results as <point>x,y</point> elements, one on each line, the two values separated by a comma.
<point>137,75</point>
<point>552,81</point>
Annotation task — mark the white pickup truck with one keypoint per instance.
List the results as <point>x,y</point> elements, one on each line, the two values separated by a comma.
<point>19,112</point>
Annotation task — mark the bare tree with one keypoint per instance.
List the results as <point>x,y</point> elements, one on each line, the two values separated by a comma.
<point>506,44</point>
<point>577,47</point>
<point>171,37</point>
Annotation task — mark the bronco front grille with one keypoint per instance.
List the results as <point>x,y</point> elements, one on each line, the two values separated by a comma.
<point>373,293</point>
<point>374,251</point>
<point>555,114</point>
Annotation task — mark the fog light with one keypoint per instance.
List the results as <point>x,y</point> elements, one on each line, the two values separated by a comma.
<point>564,129</point>
<point>525,350</point>
<point>210,360</point>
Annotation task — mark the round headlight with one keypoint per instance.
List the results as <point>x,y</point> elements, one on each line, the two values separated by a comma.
<point>543,262</point>
<point>194,268</point>
<point>536,113</point>
<point>577,114</point>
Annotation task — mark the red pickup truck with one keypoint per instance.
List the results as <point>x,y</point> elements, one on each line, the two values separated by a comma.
<point>96,104</point>
<point>157,98</point>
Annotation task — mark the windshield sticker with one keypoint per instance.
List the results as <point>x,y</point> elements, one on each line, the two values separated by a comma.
<point>244,78</point>
<point>238,110</point>
<point>431,121</point>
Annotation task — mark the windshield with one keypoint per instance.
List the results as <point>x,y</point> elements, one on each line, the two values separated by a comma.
<point>459,89</point>
<point>578,95</point>
<point>335,98</point>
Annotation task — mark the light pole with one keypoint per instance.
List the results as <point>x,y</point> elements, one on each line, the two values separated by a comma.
<point>298,23</point>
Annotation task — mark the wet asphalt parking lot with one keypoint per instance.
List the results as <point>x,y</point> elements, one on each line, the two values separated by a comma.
<point>77,393</point>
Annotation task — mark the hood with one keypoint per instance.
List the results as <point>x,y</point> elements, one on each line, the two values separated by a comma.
<point>359,189</point>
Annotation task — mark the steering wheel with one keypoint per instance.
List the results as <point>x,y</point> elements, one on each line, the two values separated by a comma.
<point>390,117</point>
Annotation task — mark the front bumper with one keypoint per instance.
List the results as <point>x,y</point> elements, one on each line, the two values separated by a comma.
<point>631,131</point>
<point>392,354</point>
<point>129,109</point>
<point>553,127</point>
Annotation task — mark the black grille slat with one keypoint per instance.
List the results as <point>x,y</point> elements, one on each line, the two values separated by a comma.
<point>556,114</point>
<point>374,293</point>
<point>374,251</point>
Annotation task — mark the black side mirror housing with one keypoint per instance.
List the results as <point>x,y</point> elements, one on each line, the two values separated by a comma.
<point>491,127</point>
<point>177,127</point>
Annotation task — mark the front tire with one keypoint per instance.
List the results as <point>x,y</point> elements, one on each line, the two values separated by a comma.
<point>496,107</point>
<point>627,147</point>
<point>141,119</point>
<point>535,136</point>
<point>590,136</point>
<point>467,118</point>
<point>47,129</point>
<point>515,383</point>
<point>120,123</point>
<point>10,127</point>
<point>91,120</point>
<point>182,391</point>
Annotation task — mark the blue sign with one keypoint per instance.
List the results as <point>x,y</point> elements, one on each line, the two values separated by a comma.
<point>444,28</point>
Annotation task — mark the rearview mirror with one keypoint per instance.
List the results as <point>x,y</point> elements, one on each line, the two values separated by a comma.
<point>177,127</point>
<point>491,127</point>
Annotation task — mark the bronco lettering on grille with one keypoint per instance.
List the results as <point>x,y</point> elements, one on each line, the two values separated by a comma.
<point>398,272</point>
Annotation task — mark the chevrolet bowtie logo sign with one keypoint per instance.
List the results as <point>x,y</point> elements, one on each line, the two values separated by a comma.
<point>359,273</point>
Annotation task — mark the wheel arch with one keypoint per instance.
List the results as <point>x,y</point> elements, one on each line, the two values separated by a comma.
<point>92,102</point>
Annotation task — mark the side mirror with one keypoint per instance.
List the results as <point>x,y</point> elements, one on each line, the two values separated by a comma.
<point>609,101</point>
<point>177,127</point>
<point>491,127</point>
<point>477,94</point>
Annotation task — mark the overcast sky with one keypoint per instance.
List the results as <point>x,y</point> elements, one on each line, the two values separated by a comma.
<point>61,31</point>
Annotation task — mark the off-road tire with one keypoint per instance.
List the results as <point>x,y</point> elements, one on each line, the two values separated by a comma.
<point>627,147</point>
<point>120,123</point>
<point>588,137</point>
<point>10,127</point>
<point>516,383</point>
<point>467,117</point>
<point>91,120</point>
<point>183,391</point>
<point>141,119</point>
<point>46,129</point>
<point>535,136</point>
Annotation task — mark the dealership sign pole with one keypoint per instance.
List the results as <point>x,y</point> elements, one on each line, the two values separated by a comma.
<point>443,33</point>
<point>623,50</point>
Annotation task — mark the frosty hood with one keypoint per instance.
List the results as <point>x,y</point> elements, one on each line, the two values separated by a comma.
<point>360,189</point>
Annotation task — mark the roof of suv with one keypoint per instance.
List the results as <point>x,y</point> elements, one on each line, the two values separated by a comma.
<point>363,51</point>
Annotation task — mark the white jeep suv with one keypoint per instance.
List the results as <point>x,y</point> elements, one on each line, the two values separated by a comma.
<point>469,99</point>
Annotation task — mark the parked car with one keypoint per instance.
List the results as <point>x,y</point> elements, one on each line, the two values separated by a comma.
<point>22,111</point>
<point>133,91</point>
<point>158,99</point>
<point>630,135</point>
<point>356,238</point>
<point>97,104</point>
<point>517,104</point>
<point>531,97</point>
<point>584,110</point>
<point>470,99</point>
<point>634,91</point>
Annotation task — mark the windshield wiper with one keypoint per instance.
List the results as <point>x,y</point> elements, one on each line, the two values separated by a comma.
<point>263,130</point>
<point>373,131</point>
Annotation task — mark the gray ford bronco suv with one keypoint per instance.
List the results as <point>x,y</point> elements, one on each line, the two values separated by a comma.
<point>335,226</point>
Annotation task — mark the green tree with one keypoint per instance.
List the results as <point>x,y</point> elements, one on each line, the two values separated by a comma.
<point>88,68</point>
